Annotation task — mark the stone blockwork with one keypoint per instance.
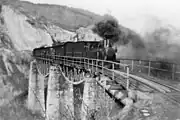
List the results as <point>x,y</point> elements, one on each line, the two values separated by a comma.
<point>88,103</point>
<point>53,94</point>
<point>36,90</point>
<point>59,96</point>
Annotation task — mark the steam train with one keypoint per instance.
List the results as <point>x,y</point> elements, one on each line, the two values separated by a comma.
<point>89,49</point>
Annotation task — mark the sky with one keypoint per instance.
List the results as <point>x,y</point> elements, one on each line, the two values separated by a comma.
<point>131,13</point>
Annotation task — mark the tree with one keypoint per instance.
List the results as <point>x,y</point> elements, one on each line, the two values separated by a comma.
<point>108,29</point>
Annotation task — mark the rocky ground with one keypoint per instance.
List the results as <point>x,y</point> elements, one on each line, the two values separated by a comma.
<point>159,108</point>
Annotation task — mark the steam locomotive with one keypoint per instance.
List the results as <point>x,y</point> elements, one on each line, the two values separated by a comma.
<point>89,49</point>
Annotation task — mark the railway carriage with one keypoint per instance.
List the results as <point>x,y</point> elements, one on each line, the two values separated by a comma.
<point>79,49</point>
<point>69,49</point>
<point>89,49</point>
<point>59,50</point>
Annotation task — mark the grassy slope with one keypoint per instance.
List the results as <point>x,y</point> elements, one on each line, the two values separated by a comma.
<point>13,87</point>
<point>65,17</point>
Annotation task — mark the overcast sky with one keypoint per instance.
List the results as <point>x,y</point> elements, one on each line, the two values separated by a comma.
<point>126,10</point>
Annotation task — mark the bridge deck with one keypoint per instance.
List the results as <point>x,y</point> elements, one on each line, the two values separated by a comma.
<point>136,80</point>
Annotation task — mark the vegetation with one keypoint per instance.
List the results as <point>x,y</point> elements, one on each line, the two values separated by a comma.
<point>16,111</point>
<point>63,16</point>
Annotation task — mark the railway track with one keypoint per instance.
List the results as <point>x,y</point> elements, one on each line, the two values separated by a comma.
<point>173,95</point>
<point>173,88</point>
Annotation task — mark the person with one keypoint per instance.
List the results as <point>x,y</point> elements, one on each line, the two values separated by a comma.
<point>111,53</point>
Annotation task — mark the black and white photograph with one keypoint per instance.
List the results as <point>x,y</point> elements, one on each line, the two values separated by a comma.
<point>89,60</point>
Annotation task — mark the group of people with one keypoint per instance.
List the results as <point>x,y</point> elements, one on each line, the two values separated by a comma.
<point>107,52</point>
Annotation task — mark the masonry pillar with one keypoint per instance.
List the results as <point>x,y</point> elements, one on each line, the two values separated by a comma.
<point>67,99</point>
<point>40,94</point>
<point>36,90</point>
<point>77,95</point>
<point>32,86</point>
<point>88,98</point>
<point>53,108</point>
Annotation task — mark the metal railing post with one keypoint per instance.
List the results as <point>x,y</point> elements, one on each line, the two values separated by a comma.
<point>83,62</point>
<point>49,63</point>
<point>149,68</point>
<point>74,61</point>
<point>67,71</point>
<point>92,65</point>
<point>140,65</point>
<point>43,67</point>
<point>120,64</point>
<point>112,71</point>
<point>103,68</point>
<point>80,62</point>
<point>173,71</point>
<point>96,65</point>
<point>64,59</point>
<point>132,65</point>
<point>88,63</point>
<point>46,66</point>
<point>127,72</point>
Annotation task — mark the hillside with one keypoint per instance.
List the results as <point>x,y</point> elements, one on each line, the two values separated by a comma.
<point>62,16</point>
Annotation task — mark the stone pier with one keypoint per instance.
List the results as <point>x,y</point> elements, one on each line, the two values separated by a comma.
<point>36,90</point>
<point>53,109</point>
<point>67,100</point>
<point>88,98</point>
<point>77,95</point>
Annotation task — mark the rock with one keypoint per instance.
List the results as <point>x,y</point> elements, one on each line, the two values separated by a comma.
<point>85,34</point>
<point>146,114</point>
<point>132,94</point>
<point>144,96</point>
<point>127,101</point>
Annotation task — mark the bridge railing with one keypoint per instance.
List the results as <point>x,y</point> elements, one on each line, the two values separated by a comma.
<point>104,67</point>
<point>114,70</point>
<point>153,68</point>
